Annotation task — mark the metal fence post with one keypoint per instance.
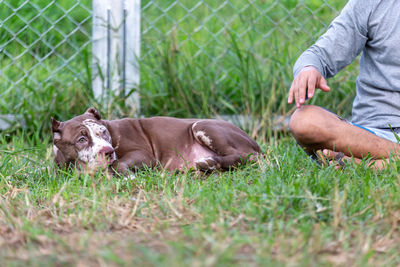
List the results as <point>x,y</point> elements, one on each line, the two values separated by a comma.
<point>116,49</point>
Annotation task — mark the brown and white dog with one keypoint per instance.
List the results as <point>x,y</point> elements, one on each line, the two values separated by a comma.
<point>90,143</point>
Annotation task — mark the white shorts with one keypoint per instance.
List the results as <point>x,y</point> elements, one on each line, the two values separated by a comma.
<point>389,134</point>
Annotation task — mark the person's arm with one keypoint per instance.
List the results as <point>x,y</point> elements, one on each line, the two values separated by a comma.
<point>337,48</point>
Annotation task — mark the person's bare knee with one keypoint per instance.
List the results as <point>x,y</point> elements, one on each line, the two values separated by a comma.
<point>308,125</point>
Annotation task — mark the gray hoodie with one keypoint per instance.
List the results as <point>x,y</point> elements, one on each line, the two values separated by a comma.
<point>373,28</point>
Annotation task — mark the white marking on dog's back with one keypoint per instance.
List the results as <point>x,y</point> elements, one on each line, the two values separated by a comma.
<point>201,136</point>
<point>194,125</point>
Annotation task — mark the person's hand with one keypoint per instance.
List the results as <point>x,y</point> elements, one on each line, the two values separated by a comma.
<point>308,79</point>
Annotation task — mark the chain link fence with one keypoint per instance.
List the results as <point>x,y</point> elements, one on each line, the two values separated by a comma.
<point>241,49</point>
<point>42,42</point>
<point>48,43</point>
<point>203,26</point>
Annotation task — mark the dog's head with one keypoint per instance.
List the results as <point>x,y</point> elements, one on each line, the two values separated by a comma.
<point>83,141</point>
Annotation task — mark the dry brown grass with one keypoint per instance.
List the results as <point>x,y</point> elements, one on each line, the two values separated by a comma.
<point>84,226</point>
<point>82,232</point>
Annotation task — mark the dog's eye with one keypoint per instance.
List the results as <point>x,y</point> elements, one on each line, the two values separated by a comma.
<point>105,134</point>
<point>81,140</point>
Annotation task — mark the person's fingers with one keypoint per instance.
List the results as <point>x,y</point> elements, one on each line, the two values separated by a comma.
<point>305,83</point>
<point>323,85</point>
<point>296,93</point>
<point>302,87</point>
<point>312,80</point>
<point>290,97</point>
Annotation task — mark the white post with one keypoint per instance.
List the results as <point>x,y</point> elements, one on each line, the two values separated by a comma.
<point>116,49</point>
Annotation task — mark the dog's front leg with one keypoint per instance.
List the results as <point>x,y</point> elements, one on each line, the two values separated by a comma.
<point>133,161</point>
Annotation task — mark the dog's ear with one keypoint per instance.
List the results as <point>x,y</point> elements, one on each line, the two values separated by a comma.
<point>94,112</point>
<point>56,128</point>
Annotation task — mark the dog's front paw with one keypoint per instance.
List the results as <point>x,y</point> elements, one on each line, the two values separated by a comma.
<point>207,164</point>
<point>130,177</point>
<point>120,168</point>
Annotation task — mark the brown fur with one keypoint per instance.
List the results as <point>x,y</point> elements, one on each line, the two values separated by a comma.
<point>167,141</point>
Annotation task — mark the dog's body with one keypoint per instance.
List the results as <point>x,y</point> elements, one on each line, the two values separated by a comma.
<point>126,144</point>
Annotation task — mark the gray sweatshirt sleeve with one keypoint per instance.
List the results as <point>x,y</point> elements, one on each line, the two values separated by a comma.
<point>343,41</point>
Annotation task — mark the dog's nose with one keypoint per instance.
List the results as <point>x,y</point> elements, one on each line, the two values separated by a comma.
<point>107,150</point>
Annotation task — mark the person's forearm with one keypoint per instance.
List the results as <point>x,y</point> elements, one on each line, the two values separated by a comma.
<point>342,42</point>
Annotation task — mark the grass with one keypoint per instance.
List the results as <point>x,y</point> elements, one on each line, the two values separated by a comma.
<point>283,210</point>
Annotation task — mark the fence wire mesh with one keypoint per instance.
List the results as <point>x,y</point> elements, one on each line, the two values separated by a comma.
<point>42,42</point>
<point>204,25</point>
<point>49,42</point>
<point>230,45</point>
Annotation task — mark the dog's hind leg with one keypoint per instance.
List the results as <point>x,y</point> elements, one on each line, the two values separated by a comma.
<point>231,145</point>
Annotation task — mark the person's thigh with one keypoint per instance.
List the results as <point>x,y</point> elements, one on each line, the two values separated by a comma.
<point>383,133</point>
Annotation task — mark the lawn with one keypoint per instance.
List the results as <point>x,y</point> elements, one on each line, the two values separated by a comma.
<point>283,210</point>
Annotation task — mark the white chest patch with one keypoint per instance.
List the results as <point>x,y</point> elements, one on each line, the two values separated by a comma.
<point>100,140</point>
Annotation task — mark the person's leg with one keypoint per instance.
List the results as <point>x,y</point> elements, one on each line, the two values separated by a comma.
<point>315,128</point>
